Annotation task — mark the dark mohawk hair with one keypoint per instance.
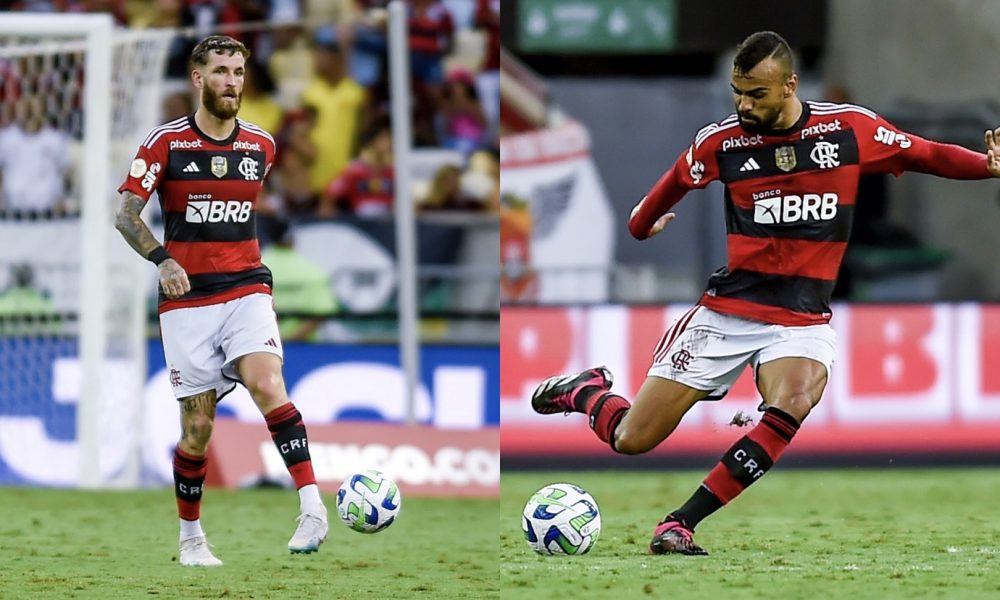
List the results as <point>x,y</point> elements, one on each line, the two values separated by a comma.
<point>761,45</point>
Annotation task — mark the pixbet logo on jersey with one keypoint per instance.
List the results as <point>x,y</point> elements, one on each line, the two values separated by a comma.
<point>792,209</point>
<point>175,144</point>
<point>820,129</point>
<point>741,141</point>
<point>241,145</point>
<point>218,211</point>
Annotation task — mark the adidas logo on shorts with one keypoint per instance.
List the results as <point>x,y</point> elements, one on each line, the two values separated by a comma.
<point>192,167</point>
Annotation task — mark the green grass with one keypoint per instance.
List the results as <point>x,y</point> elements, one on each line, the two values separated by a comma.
<point>816,535</point>
<point>116,545</point>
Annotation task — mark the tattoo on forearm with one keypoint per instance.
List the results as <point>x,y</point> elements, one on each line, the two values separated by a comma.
<point>132,227</point>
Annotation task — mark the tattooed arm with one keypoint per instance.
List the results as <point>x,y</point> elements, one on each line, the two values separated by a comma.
<point>173,278</point>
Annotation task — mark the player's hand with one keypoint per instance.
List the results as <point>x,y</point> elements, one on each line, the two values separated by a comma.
<point>993,151</point>
<point>659,224</point>
<point>173,279</point>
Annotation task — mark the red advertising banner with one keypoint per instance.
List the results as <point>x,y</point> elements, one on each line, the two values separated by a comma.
<point>423,461</point>
<point>908,378</point>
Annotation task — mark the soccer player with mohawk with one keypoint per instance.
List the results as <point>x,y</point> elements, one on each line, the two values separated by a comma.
<point>791,170</point>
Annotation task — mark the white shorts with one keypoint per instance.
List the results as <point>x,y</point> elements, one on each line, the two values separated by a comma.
<point>202,343</point>
<point>708,350</point>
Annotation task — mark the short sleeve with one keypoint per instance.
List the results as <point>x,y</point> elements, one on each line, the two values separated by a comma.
<point>147,169</point>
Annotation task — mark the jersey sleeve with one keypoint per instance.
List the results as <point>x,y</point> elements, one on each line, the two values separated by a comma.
<point>694,169</point>
<point>147,169</point>
<point>697,166</point>
<point>884,148</point>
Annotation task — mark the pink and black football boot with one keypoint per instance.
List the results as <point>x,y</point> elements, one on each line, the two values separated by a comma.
<point>672,537</point>
<point>558,394</point>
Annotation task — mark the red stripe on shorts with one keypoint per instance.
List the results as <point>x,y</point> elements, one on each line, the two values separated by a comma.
<point>678,330</point>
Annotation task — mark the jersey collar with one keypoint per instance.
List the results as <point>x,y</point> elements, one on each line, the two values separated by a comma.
<point>799,124</point>
<point>211,140</point>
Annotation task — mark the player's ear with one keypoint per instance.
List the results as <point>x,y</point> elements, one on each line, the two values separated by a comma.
<point>791,84</point>
<point>196,78</point>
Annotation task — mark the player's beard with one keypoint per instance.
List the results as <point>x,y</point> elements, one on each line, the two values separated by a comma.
<point>759,123</point>
<point>217,106</point>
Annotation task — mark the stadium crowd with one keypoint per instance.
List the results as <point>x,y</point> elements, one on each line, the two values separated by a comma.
<point>318,82</point>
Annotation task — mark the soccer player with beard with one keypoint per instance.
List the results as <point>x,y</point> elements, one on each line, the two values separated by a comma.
<point>791,170</point>
<point>216,315</point>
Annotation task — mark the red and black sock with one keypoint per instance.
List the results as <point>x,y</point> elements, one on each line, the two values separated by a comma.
<point>605,409</point>
<point>189,481</point>
<point>289,435</point>
<point>744,463</point>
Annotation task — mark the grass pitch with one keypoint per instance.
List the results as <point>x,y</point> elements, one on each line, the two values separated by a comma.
<point>75,544</point>
<point>821,534</point>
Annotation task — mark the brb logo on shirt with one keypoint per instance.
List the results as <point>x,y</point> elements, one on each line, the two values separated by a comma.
<point>218,211</point>
<point>792,209</point>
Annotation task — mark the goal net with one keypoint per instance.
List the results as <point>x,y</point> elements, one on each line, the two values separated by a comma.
<point>76,98</point>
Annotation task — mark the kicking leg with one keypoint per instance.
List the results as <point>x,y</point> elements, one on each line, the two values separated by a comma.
<point>627,428</point>
<point>261,374</point>
<point>197,419</point>
<point>791,387</point>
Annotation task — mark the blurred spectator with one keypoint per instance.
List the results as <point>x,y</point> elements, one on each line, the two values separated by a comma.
<point>22,299</point>
<point>116,8</point>
<point>483,174</point>
<point>431,37</point>
<point>446,193</point>
<point>290,63</point>
<point>296,155</point>
<point>35,161</point>
<point>167,14</point>
<point>257,106</point>
<point>488,79</point>
<point>365,187</point>
<point>365,31</point>
<point>338,100</point>
<point>518,281</point>
<point>299,286</point>
<point>177,104</point>
<point>462,121</point>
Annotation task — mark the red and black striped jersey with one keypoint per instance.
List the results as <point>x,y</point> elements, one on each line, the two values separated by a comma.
<point>208,193</point>
<point>789,202</point>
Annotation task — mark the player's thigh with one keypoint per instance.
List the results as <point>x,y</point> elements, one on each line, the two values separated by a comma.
<point>656,410</point>
<point>792,372</point>
<point>194,358</point>
<point>251,327</point>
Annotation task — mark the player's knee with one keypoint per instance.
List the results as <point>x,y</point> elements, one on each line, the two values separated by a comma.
<point>268,386</point>
<point>197,431</point>
<point>628,441</point>
<point>796,404</point>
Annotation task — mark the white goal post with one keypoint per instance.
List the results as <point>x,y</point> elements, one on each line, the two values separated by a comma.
<point>121,74</point>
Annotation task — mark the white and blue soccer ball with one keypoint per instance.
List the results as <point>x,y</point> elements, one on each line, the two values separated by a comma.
<point>368,501</point>
<point>561,518</point>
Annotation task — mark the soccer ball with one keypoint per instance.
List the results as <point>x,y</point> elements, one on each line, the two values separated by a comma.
<point>561,518</point>
<point>368,502</point>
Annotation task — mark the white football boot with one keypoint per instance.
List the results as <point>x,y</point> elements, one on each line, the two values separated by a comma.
<point>310,533</point>
<point>195,552</point>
